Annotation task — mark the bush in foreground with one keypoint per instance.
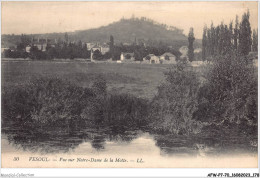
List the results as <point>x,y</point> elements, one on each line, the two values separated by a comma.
<point>44,103</point>
<point>48,104</point>
<point>229,97</point>
<point>172,109</point>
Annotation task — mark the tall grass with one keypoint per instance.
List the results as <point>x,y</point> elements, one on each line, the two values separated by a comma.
<point>47,104</point>
<point>44,103</point>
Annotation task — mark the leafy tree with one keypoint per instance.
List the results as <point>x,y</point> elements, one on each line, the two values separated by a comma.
<point>222,39</point>
<point>85,53</point>
<point>66,38</point>
<point>111,46</point>
<point>230,95</point>
<point>245,40</point>
<point>116,54</point>
<point>255,41</point>
<point>138,55</point>
<point>212,40</point>
<point>128,56</point>
<point>236,34</point>
<point>97,55</point>
<point>51,53</point>
<point>79,44</point>
<point>173,107</point>
<point>216,37</point>
<point>7,53</point>
<point>191,39</point>
<point>107,55</point>
<point>204,43</point>
<point>230,35</point>
<point>34,52</point>
<point>227,46</point>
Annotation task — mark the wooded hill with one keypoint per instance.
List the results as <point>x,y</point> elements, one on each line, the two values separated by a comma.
<point>124,31</point>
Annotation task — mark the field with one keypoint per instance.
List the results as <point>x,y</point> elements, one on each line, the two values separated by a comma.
<point>45,111</point>
<point>138,79</point>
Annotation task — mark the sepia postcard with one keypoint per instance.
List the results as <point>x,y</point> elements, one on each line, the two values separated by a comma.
<point>129,84</point>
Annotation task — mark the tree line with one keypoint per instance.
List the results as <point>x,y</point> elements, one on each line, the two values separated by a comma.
<point>221,39</point>
<point>62,50</point>
<point>68,50</point>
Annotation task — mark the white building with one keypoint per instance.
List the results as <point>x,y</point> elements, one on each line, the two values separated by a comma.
<point>3,49</point>
<point>184,52</point>
<point>28,48</point>
<point>127,56</point>
<point>102,48</point>
<point>152,59</point>
<point>197,50</point>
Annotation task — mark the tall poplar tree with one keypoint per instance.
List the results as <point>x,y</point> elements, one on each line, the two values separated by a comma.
<point>231,35</point>
<point>255,41</point>
<point>236,34</point>
<point>191,39</point>
<point>245,32</point>
<point>111,46</point>
<point>204,43</point>
<point>66,37</point>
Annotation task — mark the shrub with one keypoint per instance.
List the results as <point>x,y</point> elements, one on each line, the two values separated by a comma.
<point>45,103</point>
<point>97,55</point>
<point>124,111</point>
<point>230,93</point>
<point>173,107</point>
<point>99,86</point>
<point>117,112</point>
<point>128,56</point>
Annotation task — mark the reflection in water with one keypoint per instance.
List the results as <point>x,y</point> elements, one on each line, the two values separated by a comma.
<point>44,144</point>
<point>64,142</point>
<point>98,142</point>
<point>125,143</point>
<point>203,146</point>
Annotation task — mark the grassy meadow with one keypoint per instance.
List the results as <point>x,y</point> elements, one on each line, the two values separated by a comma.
<point>140,80</point>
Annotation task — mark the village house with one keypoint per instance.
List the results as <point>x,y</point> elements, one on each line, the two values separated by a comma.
<point>28,48</point>
<point>152,59</point>
<point>127,56</point>
<point>184,52</point>
<point>104,48</point>
<point>3,49</point>
<point>126,44</point>
<point>168,58</point>
<point>94,48</point>
<point>41,44</point>
<point>90,46</point>
<point>197,50</point>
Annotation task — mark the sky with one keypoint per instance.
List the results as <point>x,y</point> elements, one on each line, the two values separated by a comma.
<point>48,17</point>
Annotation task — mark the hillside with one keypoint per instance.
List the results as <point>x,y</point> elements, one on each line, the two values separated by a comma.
<point>125,31</point>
